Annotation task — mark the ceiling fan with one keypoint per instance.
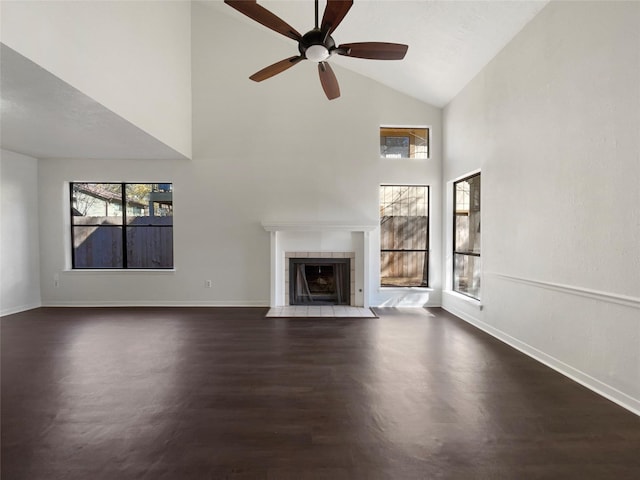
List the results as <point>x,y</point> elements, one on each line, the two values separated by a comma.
<point>317,44</point>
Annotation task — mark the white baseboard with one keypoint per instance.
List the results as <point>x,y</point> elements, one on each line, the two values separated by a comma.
<point>607,391</point>
<point>154,303</point>
<point>18,309</point>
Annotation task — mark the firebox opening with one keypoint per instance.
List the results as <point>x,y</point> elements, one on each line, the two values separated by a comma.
<point>319,281</point>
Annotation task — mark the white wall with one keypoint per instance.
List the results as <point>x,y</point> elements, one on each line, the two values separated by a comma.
<point>273,151</point>
<point>133,57</point>
<point>19,243</point>
<point>553,123</point>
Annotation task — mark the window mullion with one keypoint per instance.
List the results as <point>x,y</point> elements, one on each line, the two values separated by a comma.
<point>125,263</point>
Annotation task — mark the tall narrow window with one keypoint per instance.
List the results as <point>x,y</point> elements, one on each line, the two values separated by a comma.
<point>122,225</point>
<point>466,236</point>
<point>404,236</point>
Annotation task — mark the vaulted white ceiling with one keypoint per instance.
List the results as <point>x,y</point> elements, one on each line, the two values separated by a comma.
<point>450,41</point>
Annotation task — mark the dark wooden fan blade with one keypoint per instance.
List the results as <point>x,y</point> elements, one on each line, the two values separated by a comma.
<point>251,9</point>
<point>374,50</point>
<point>334,12</point>
<point>328,80</point>
<point>275,69</point>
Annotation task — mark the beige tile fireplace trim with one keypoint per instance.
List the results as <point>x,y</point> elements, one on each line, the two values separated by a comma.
<point>352,266</point>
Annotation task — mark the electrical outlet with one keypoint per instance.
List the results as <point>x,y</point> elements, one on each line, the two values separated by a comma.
<point>56,280</point>
<point>208,283</point>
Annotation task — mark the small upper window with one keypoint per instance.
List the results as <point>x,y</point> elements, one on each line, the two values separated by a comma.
<point>396,142</point>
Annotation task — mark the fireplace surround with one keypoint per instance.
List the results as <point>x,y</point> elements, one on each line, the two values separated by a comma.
<point>320,240</point>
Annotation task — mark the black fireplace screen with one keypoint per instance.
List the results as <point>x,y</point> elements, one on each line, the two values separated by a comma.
<point>319,281</point>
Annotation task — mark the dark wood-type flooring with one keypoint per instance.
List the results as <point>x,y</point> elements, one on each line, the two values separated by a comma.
<point>213,393</point>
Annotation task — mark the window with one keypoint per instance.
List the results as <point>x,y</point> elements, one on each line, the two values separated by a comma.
<point>404,236</point>
<point>404,142</point>
<point>466,236</point>
<point>121,225</point>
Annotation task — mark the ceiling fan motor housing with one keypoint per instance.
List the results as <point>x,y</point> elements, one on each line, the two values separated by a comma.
<point>316,37</point>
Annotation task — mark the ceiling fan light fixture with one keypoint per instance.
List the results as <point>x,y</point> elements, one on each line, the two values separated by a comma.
<point>317,53</point>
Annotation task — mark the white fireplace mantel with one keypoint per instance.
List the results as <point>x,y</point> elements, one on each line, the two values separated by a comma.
<point>279,231</point>
<point>318,227</point>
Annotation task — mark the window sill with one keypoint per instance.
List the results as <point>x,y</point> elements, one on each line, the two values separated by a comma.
<point>465,298</point>
<point>405,289</point>
<point>400,159</point>
<point>163,271</point>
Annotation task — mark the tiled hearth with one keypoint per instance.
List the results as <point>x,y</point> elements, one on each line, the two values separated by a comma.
<point>313,311</point>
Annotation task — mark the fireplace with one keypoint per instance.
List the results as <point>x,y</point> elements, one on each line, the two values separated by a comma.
<point>319,281</point>
<point>320,240</point>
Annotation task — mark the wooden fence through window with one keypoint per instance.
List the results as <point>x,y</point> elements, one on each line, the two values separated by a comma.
<point>404,255</point>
